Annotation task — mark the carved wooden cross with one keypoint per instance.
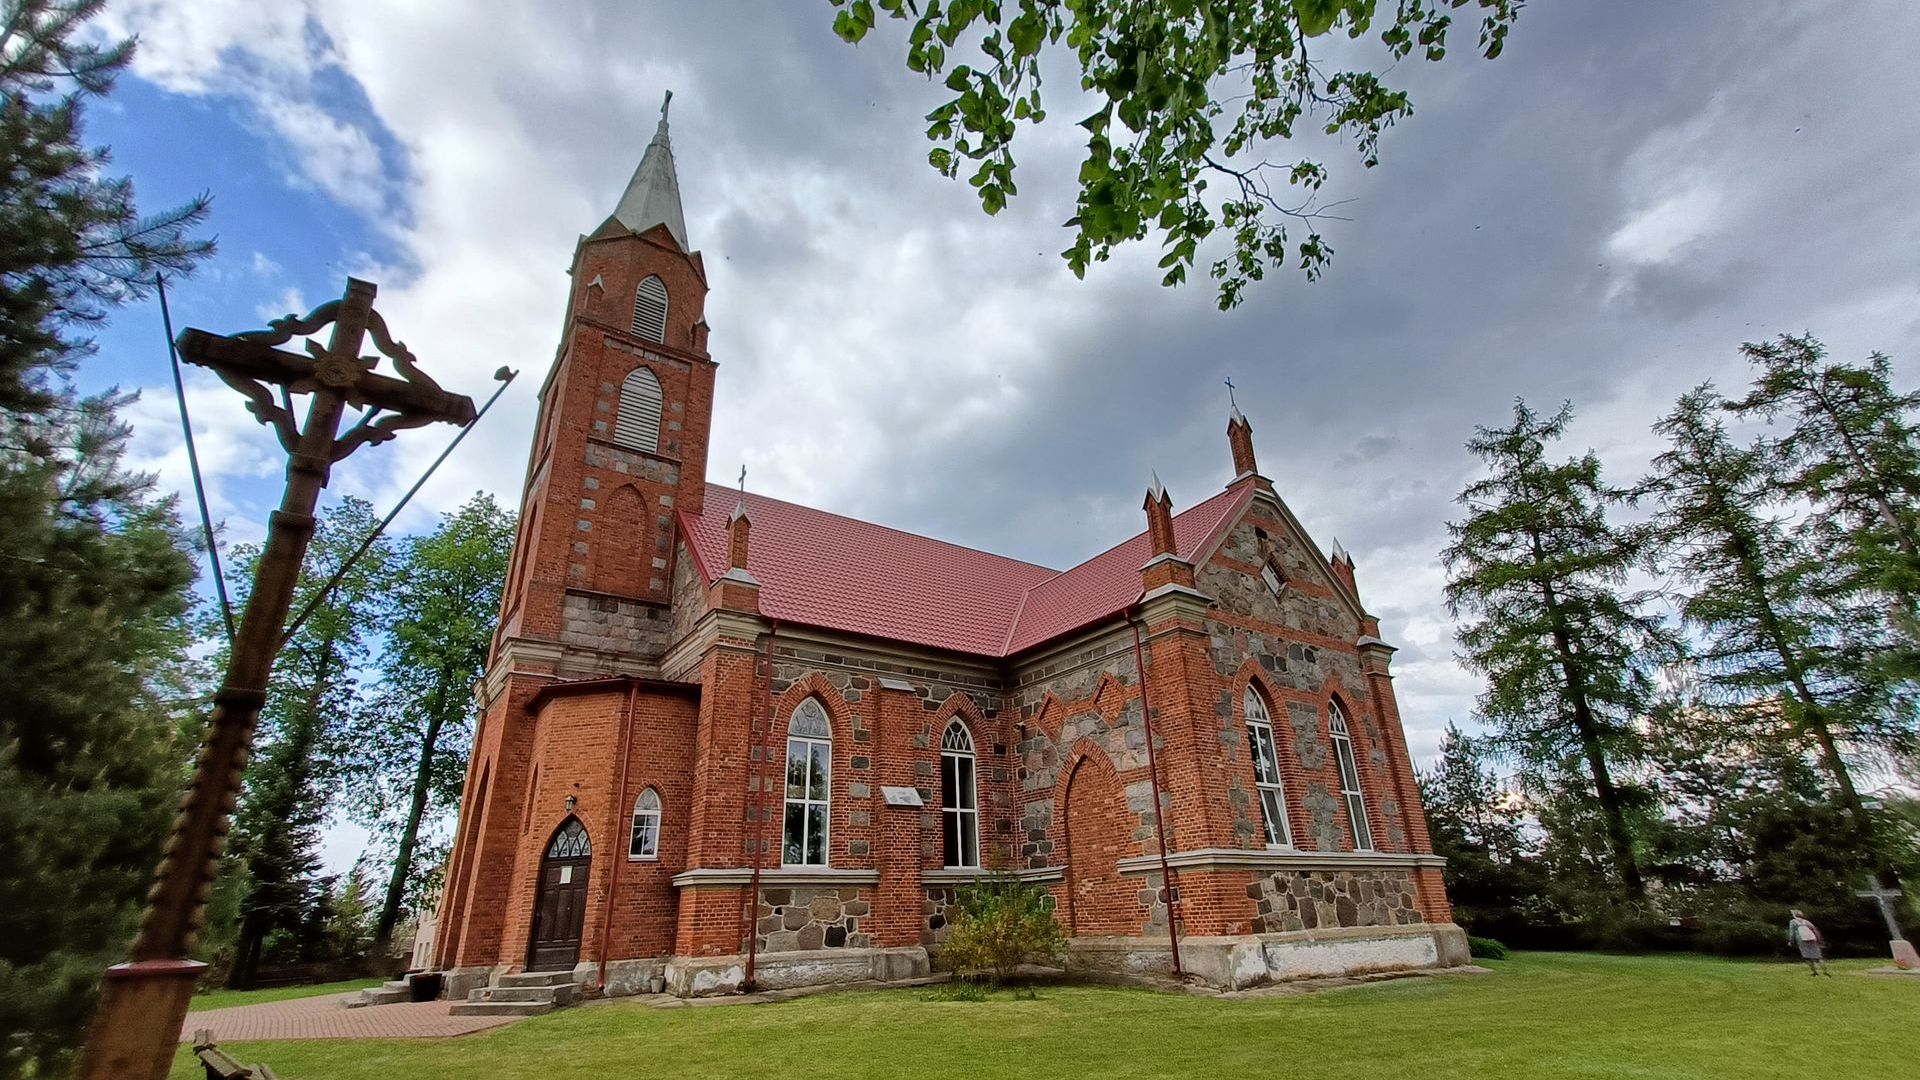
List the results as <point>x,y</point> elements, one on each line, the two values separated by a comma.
<point>143,1002</point>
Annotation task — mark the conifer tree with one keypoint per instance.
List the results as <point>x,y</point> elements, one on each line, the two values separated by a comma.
<point>1850,449</point>
<point>1779,625</point>
<point>405,756</point>
<point>313,690</point>
<point>1567,648</point>
<point>94,591</point>
<point>72,243</point>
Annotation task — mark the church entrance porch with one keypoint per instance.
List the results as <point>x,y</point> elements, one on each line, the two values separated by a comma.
<point>560,904</point>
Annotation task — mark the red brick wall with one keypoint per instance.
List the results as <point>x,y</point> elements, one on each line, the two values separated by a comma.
<point>1096,833</point>
<point>570,512</point>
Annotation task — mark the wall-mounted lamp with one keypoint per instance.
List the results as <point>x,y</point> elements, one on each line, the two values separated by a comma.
<point>572,801</point>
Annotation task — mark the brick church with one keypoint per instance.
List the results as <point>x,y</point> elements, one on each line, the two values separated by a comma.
<point>729,740</point>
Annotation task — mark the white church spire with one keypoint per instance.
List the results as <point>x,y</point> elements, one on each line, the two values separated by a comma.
<point>653,195</point>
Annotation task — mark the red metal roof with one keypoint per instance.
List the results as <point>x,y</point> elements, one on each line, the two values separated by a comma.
<point>840,573</point>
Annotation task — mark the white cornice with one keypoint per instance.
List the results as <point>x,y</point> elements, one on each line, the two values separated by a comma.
<point>775,877</point>
<point>965,875</point>
<point>1273,859</point>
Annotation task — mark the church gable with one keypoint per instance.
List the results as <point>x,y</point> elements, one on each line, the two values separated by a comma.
<point>1263,550</point>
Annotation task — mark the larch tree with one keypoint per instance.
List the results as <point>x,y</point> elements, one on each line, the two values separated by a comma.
<point>405,756</point>
<point>1849,448</point>
<point>1779,627</point>
<point>1567,647</point>
<point>1188,94</point>
<point>310,696</point>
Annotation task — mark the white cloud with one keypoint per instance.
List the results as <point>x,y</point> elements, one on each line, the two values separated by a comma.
<point>1657,232</point>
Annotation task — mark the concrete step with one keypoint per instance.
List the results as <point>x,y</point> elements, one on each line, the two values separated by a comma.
<point>536,978</point>
<point>501,1008</point>
<point>389,993</point>
<point>556,995</point>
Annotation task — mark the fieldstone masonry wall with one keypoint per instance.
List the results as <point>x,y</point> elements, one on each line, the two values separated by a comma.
<point>612,624</point>
<point>798,920</point>
<point>1311,900</point>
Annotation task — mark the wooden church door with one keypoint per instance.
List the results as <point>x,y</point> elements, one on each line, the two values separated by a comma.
<point>560,902</point>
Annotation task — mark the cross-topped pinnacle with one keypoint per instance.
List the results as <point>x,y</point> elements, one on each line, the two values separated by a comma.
<point>1230,400</point>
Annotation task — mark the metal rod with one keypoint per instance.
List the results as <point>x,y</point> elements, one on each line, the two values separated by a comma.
<point>1159,811</point>
<point>506,378</point>
<point>193,462</point>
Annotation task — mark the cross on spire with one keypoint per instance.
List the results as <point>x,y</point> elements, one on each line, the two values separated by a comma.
<point>1230,400</point>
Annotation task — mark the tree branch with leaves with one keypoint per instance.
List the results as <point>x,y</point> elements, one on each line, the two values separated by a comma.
<point>1190,92</point>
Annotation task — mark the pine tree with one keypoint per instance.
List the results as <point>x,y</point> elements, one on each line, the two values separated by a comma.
<point>95,582</point>
<point>406,753</point>
<point>72,243</point>
<point>1781,631</point>
<point>1568,649</point>
<point>311,694</point>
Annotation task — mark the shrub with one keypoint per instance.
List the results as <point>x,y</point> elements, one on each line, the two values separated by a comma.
<point>998,924</point>
<point>1485,948</point>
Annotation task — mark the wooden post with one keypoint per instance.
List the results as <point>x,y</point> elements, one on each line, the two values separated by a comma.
<point>144,1001</point>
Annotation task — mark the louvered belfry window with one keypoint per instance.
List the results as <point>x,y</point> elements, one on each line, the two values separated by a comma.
<point>650,310</point>
<point>637,425</point>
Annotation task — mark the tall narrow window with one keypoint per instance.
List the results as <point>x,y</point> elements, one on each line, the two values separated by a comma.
<point>650,310</point>
<point>637,426</point>
<point>646,826</point>
<point>809,769</point>
<point>959,804</point>
<point>1266,770</point>
<point>1349,778</point>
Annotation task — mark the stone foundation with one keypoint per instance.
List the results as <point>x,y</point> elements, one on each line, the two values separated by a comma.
<point>1315,899</point>
<point>1235,963</point>
<point>805,919</point>
<point>624,977</point>
<point>707,976</point>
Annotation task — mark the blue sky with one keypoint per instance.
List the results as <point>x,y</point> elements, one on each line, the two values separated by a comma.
<point>1603,214</point>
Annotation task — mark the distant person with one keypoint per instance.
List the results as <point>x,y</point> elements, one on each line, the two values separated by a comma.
<point>1803,935</point>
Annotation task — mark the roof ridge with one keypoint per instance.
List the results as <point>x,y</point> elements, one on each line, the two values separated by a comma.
<point>890,528</point>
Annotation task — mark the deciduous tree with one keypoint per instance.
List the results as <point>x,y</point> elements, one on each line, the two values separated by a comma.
<point>405,754</point>
<point>312,692</point>
<point>1188,94</point>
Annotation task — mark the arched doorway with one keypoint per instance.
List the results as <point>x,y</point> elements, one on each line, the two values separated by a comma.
<point>1099,900</point>
<point>560,903</point>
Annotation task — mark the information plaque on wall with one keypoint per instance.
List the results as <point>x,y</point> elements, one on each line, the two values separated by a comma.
<point>902,796</point>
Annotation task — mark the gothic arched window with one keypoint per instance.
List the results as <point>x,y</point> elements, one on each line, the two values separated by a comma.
<point>1266,769</point>
<point>1349,777</point>
<point>803,836</point>
<point>959,802</point>
<point>646,826</point>
<point>637,426</point>
<point>650,310</point>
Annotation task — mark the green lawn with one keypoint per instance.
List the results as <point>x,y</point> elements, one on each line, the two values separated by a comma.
<point>1537,1015</point>
<point>220,999</point>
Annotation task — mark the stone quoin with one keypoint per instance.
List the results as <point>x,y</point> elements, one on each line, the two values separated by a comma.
<point>705,711</point>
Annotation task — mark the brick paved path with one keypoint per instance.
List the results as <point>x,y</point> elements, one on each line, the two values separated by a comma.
<point>327,1017</point>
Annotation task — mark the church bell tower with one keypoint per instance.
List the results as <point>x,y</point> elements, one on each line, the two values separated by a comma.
<point>620,442</point>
